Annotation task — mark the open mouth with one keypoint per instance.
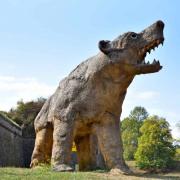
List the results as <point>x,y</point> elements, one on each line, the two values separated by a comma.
<point>147,49</point>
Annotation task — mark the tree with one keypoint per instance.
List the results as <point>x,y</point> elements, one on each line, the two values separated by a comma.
<point>25,113</point>
<point>130,131</point>
<point>139,113</point>
<point>155,150</point>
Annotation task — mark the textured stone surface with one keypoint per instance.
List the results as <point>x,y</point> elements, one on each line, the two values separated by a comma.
<point>89,102</point>
<point>28,146</point>
<point>15,150</point>
<point>11,145</point>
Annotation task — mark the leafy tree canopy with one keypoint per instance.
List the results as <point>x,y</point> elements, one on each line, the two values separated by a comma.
<point>155,150</point>
<point>25,113</point>
<point>139,113</point>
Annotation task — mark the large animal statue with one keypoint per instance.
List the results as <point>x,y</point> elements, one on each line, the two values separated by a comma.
<point>89,102</point>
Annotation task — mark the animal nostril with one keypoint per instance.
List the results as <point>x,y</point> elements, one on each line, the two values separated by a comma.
<point>160,24</point>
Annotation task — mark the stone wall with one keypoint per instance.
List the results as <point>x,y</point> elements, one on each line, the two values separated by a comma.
<point>28,146</point>
<point>15,150</point>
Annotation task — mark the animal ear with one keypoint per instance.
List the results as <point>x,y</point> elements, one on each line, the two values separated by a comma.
<point>104,46</point>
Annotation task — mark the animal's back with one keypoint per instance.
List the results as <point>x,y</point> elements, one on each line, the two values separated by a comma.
<point>67,92</point>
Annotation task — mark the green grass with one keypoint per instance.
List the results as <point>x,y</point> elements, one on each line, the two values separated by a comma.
<point>45,173</point>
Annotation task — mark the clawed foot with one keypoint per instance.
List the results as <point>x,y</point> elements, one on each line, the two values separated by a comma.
<point>62,168</point>
<point>124,170</point>
<point>34,163</point>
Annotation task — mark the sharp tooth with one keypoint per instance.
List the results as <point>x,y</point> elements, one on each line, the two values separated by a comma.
<point>149,51</point>
<point>153,48</point>
<point>158,62</point>
<point>162,43</point>
<point>154,62</point>
<point>148,62</point>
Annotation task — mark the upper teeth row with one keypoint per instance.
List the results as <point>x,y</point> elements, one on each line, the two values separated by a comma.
<point>154,62</point>
<point>144,50</point>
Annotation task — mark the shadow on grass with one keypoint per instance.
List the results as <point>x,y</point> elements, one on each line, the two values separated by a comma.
<point>157,176</point>
<point>172,175</point>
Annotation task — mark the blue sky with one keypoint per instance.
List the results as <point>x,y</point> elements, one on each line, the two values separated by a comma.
<point>43,40</point>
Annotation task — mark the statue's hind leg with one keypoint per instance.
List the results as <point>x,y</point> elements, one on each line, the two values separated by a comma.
<point>43,146</point>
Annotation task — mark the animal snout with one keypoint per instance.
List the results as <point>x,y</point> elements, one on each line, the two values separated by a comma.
<point>160,24</point>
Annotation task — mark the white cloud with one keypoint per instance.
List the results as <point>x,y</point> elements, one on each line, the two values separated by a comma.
<point>7,78</point>
<point>175,131</point>
<point>13,89</point>
<point>147,95</point>
<point>137,98</point>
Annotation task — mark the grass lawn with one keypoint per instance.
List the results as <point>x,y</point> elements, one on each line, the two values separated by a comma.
<point>43,173</point>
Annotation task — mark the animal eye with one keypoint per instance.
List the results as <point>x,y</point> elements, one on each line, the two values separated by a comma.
<point>134,36</point>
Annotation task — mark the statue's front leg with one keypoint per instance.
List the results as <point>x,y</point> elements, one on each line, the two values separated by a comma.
<point>62,144</point>
<point>110,143</point>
